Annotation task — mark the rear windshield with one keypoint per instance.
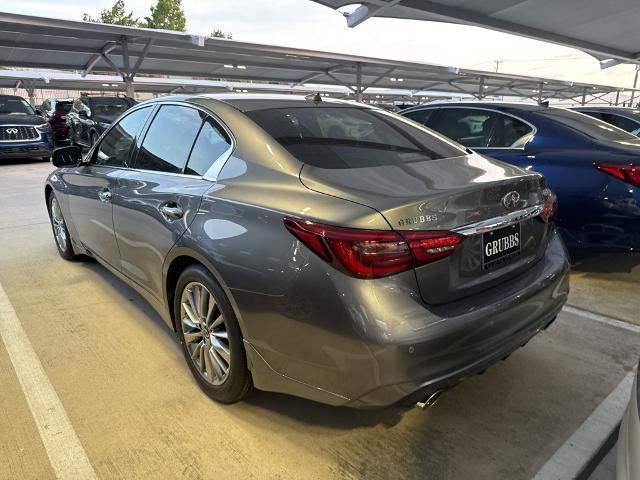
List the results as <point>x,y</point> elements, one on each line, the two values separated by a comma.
<point>109,106</point>
<point>64,107</point>
<point>346,137</point>
<point>15,106</point>
<point>592,127</point>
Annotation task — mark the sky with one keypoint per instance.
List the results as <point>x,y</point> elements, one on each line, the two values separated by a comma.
<point>305,24</point>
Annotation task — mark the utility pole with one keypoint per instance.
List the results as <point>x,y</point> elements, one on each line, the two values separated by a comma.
<point>635,84</point>
<point>498,62</point>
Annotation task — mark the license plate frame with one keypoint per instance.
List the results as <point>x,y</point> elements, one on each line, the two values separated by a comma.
<point>510,248</point>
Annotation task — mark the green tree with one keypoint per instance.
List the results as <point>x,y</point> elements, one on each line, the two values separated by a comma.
<point>116,15</point>
<point>217,33</point>
<point>166,15</point>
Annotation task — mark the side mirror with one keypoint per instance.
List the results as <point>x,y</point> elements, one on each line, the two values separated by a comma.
<point>67,157</point>
<point>83,114</point>
<point>38,112</point>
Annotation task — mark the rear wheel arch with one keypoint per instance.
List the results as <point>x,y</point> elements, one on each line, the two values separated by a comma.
<point>181,260</point>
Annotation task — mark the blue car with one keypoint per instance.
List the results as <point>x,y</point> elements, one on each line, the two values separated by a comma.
<point>24,133</point>
<point>592,166</point>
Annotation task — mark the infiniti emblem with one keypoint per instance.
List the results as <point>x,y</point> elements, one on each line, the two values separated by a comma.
<point>511,200</point>
<point>12,131</point>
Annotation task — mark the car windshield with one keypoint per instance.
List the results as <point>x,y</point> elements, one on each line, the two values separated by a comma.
<point>15,106</point>
<point>109,107</point>
<point>351,137</point>
<point>64,107</point>
<point>592,127</point>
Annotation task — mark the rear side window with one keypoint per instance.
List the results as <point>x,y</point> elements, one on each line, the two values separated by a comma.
<point>421,116</point>
<point>476,128</point>
<point>211,143</point>
<point>116,145</point>
<point>169,139</point>
<point>350,137</point>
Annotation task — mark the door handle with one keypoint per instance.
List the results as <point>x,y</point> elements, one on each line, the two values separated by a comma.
<point>171,211</point>
<point>104,195</point>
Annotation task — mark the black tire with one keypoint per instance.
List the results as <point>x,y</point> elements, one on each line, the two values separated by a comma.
<point>58,225</point>
<point>46,159</point>
<point>93,138</point>
<point>237,381</point>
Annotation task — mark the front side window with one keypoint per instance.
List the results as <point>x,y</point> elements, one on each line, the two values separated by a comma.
<point>211,143</point>
<point>350,137</point>
<point>116,146</point>
<point>15,106</point>
<point>421,116</point>
<point>477,128</point>
<point>169,139</point>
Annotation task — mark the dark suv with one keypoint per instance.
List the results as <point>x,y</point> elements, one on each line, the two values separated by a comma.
<point>23,132</point>
<point>55,111</point>
<point>90,116</point>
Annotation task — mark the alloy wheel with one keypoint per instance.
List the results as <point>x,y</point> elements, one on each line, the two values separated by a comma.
<point>59,228</point>
<point>205,333</point>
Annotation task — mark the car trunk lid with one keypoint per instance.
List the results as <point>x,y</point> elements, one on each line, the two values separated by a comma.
<point>450,194</point>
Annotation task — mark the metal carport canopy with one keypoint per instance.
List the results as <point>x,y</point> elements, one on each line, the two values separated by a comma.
<point>45,43</point>
<point>608,30</point>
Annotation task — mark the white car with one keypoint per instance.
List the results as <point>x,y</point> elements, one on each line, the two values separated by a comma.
<point>628,461</point>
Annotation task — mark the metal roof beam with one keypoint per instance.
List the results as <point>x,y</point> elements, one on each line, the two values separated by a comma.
<point>365,12</point>
<point>464,16</point>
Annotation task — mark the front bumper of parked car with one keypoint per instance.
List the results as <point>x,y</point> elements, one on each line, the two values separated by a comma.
<point>27,149</point>
<point>375,343</point>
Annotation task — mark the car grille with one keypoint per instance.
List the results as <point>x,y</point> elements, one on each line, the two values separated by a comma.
<point>13,133</point>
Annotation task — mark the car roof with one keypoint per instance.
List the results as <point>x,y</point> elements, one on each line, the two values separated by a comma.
<point>532,107</point>
<point>11,96</point>
<point>609,108</point>
<point>259,101</point>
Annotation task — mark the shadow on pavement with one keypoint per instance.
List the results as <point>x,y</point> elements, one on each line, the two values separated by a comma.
<point>606,263</point>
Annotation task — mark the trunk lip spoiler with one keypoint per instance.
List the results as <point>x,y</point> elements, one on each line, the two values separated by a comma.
<point>499,222</point>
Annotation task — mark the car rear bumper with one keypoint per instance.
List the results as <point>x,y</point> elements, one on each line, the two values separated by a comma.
<point>26,149</point>
<point>388,346</point>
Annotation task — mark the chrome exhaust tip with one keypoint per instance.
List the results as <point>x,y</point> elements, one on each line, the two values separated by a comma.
<point>430,401</point>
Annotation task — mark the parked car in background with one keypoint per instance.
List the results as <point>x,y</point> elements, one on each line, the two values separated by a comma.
<point>55,111</point>
<point>628,448</point>
<point>92,115</point>
<point>593,167</point>
<point>628,119</point>
<point>24,133</point>
<point>325,249</point>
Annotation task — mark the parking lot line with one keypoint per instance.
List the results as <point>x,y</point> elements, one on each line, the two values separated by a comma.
<point>68,458</point>
<point>586,441</point>
<point>614,322</point>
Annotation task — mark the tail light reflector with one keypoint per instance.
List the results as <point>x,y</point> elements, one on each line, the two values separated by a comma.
<point>372,253</point>
<point>626,173</point>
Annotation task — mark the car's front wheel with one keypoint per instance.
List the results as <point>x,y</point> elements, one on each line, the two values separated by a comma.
<point>60,231</point>
<point>210,336</point>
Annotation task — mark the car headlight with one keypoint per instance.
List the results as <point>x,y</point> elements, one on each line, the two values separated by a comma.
<point>43,128</point>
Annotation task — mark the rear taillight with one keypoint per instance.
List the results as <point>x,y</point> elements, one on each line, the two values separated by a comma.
<point>626,173</point>
<point>550,207</point>
<point>373,253</point>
